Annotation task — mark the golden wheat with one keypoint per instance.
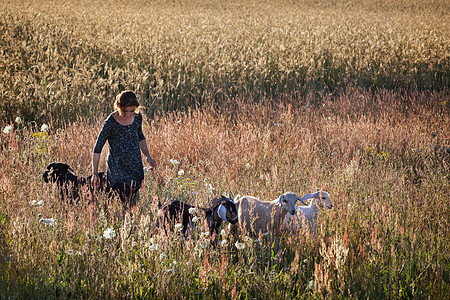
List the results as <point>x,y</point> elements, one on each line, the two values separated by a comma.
<point>61,60</point>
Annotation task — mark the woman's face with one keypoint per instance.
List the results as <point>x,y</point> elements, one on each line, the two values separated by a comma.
<point>128,111</point>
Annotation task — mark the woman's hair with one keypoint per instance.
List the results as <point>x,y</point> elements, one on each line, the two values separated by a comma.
<point>126,99</point>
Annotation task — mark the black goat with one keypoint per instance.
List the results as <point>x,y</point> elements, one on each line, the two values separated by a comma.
<point>222,209</point>
<point>67,182</point>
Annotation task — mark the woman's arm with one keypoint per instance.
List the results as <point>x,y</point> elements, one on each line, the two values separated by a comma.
<point>101,140</point>
<point>95,161</point>
<point>144,149</point>
<point>143,143</point>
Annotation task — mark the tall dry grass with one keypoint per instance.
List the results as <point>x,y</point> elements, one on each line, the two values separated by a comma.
<point>63,59</point>
<point>384,159</point>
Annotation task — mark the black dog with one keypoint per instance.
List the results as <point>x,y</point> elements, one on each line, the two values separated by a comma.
<point>222,209</point>
<point>68,183</point>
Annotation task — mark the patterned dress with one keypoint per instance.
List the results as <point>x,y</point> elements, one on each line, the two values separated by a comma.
<point>124,162</point>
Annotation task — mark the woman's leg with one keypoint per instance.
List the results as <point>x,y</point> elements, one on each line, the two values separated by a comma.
<point>128,195</point>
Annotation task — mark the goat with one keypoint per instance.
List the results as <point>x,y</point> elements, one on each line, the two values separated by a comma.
<point>68,183</point>
<point>260,217</point>
<point>319,199</point>
<point>175,211</point>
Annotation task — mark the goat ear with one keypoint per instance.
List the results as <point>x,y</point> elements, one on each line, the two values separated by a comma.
<point>222,211</point>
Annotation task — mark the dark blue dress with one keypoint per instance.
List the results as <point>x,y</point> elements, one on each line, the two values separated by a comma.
<point>124,161</point>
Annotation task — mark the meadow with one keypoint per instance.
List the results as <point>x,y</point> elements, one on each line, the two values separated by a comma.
<point>249,97</point>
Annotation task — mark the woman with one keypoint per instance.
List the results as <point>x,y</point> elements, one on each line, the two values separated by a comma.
<point>123,131</point>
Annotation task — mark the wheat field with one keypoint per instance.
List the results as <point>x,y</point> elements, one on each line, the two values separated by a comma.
<point>249,97</point>
<point>64,59</point>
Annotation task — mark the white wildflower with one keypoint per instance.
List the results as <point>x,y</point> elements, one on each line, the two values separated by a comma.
<point>311,285</point>
<point>145,170</point>
<point>162,256</point>
<point>50,221</point>
<point>248,165</point>
<point>70,252</point>
<point>223,243</point>
<point>211,188</point>
<point>223,232</point>
<point>37,203</point>
<point>174,161</point>
<point>239,246</point>
<point>151,240</point>
<point>181,172</point>
<point>44,127</point>
<point>178,227</point>
<point>7,129</point>
<point>18,120</point>
<point>191,210</point>
<point>204,244</point>
<point>195,219</point>
<point>109,233</point>
<point>204,234</point>
<point>154,247</point>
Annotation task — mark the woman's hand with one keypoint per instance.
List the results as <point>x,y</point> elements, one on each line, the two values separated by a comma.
<point>95,181</point>
<point>151,162</point>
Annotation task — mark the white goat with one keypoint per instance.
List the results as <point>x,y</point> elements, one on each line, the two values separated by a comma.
<point>258,216</point>
<point>293,222</point>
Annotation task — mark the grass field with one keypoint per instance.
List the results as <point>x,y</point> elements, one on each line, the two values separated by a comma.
<point>249,97</point>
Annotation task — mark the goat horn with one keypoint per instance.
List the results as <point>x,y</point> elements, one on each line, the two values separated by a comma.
<point>231,199</point>
<point>306,197</point>
<point>222,211</point>
<point>236,198</point>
